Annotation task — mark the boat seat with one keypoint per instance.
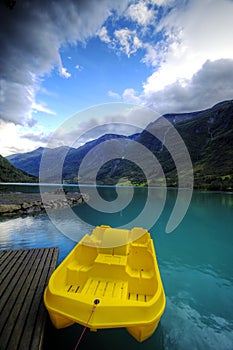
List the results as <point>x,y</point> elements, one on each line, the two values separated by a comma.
<point>147,274</point>
<point>140,273</point>
<point>120,250</point>
<point>78,267</point>
<point>133,272</point>
<point>110,259</point>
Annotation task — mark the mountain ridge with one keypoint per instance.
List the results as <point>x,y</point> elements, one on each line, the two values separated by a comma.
<point>208,136</point>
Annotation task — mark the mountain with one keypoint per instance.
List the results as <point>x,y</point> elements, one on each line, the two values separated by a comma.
<point>208,136</point>
<point>8,173</point>
<point>28,162</point>
<point>211,146</point>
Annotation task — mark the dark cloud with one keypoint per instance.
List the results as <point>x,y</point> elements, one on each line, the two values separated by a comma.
<point>39,137</point>
<point>31,34</point>
<point>211,84</point>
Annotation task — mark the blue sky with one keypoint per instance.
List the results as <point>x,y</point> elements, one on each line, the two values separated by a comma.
<point>59,58</point>
<point>98,74</point>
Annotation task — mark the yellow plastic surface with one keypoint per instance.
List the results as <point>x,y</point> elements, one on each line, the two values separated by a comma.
<point>108,280</point>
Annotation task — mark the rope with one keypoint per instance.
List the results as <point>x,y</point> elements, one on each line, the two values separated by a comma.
<point>96,302</point>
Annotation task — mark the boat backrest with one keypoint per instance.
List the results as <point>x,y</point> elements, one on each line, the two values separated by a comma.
<point>114,238</point>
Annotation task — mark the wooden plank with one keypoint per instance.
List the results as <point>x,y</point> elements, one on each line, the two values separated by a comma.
<point>12,271</point>
<point>38,336</point>
<point>22,313</point>
<point>14,283</point>
<point>4,255</point>
<point>16,291</point>
<point>7,263</point>
<point>34,317</point>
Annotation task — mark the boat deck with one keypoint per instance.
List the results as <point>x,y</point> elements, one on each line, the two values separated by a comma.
<point>97,288</point>
<point>24,275</point>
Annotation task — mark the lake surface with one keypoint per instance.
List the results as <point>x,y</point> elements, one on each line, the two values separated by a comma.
<point>195,262</point>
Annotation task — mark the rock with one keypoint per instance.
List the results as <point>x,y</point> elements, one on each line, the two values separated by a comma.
<point>30,210</point>
<point>61,191</point>
<point>37,203</point>
<point>25,205</point>
<point>38,206</point>
<point>9,208</point>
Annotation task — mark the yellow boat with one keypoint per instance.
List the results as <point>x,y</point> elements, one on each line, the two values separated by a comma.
<point>109,280</point>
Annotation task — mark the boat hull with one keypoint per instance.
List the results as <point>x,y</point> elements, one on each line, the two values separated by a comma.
<point>143,332</point>
<point>104,287</point>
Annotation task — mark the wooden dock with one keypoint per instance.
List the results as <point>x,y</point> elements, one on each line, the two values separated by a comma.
<point>23,277</point>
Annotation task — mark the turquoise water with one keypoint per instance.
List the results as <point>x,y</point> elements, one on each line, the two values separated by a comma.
<point>195,262</point>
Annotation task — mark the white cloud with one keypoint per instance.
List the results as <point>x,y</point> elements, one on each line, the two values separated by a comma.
<point>191,36</point>
<point>14,94</point>
<point>128,41</point>
<point>194,34</point>
<point>141,14</point>
<point>161,2</point>
<point>103,35</point>
<point>78,67</point>
<point>8,130</point>
<point>39,107</point>
<point>64,73</point>
<point>23,139</point>
<point>153,55</point>
<point>114,95</point>
<point>208,86</point>
<point>130,95</point>
<point>36,136</point>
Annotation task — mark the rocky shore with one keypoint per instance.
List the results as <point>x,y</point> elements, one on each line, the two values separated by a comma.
<point>30,203</point>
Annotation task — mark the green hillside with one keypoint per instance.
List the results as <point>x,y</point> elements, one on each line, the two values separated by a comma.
<point>8,173</point>
<point>211,147</point>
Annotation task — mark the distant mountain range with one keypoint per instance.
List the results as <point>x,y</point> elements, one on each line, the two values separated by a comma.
<point>9,173</point>
<point>208,136</point>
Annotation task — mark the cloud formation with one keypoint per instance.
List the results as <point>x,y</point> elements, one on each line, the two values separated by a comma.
<point>114,95</point>
<point>103,35</point>
<point>31,35</point>
<point>185,37</point>
<point>23,138</point>
<point>141,14</point>
<point>191,59</point>
<point>211,84</point>
<point>190,40</point>
<point>126,40</point>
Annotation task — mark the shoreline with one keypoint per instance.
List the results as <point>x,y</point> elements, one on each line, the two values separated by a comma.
<point>30,203</point>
